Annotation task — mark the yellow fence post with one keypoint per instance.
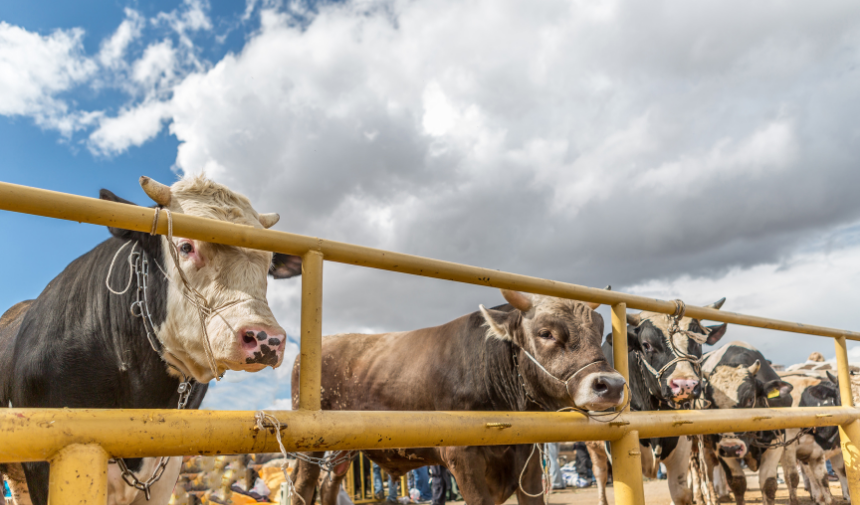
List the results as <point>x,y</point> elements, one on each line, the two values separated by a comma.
<point>626,452</point>
<point>849,434</point>
<point>310,368</point>
<point>78,476</point>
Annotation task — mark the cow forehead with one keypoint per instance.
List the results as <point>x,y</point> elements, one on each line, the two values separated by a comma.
<point>570,312</point>
<point>202,197</point>
<point>727,382</point>
<point>664,322</point>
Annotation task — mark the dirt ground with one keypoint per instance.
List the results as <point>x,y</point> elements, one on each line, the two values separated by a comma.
<point>657,493</point>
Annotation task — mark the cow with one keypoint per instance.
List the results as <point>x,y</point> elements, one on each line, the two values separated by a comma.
<point>138,317</point>
<point>738,376</point>
<point>812,448</point>
<point>536,353</point>
<point>663,376</point>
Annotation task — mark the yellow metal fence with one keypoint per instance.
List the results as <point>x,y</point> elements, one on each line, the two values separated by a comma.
<point>78,443</point>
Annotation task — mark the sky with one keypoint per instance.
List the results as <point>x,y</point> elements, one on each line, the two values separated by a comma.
<point>674,149</point>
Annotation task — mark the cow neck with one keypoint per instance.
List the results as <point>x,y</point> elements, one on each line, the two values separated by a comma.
<point>139,271</point>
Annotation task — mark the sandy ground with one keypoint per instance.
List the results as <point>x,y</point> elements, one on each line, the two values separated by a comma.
<point>657,493</point>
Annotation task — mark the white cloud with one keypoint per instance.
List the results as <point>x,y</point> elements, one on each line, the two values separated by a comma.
<point>156,66</point>
<point>131,127</point>
<point>113,50</point>
<point>812,288</point>
<point>34,69</point>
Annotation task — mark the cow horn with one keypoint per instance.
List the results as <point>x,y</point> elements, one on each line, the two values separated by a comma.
<point>717,304</point>
<point>594,305</point>
<point>754,368</point>
<point>159,193</point>
<point>520,301</point>
<point>634,319</point>
<point>269,220</point>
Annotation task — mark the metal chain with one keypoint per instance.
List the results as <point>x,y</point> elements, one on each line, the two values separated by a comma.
<point>139,263</point>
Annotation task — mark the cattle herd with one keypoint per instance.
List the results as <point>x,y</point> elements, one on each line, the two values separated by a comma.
<point>146,321</point>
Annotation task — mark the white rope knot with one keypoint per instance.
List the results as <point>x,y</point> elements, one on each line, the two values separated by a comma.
<point>261,418</point>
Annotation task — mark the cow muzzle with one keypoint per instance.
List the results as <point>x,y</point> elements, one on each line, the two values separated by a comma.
<point>684,389</point>
<point>261,346</point>
<point>600,391</point>
<point>731,447</point>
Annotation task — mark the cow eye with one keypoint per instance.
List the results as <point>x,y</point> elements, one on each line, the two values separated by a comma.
<point>186,248</point>
<point>545,334</point>
<point>646,347</point>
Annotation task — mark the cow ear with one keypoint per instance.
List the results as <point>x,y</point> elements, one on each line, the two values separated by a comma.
<point>498,323</point>
<point>832,378</point>
<point>777,388</point>
<point>633,343</point>
<point>285,266</point>
<point>119,233</point>
<point>715,333</point>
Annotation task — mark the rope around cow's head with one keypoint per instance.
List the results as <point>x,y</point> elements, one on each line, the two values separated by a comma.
<point>674,329</point>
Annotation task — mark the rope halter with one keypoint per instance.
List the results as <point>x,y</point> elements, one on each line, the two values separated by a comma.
<point>674,329</point>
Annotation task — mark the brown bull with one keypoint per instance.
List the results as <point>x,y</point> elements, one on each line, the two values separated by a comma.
<point>536,353</point>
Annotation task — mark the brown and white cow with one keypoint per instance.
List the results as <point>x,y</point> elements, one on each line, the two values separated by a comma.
<point>814,447</point>
<point>513,357</point>
<point>738,376</point>
<point>83,344</point>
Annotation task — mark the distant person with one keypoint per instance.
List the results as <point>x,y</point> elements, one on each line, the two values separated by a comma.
<point>438,483</point>
<point>555,475</point>
<point>584,475</point>
<point>393,486</point>
<point>422,483</point>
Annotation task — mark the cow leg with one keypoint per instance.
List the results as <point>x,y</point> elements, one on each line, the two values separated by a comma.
<point>14,475</point>
<point>816,469</point>
<point>532,480</point>
<point>677,464</point>
<point>305,477</point>
<point>330,487</point>
<point>767,474</point>
<point>735,476</point>
<point>162,489</point>
<point>600,468</point>
<point>789,468</point>
<point>838,465</point>
<point>721,484</point>
<point>469,468</point>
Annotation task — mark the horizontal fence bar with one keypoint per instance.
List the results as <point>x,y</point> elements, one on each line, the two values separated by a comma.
<point>36,434</point>
<point>100,212</point>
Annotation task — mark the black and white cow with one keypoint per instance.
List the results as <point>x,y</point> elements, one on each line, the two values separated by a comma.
<point>663,376</point>
<point>738,376</point>
<point>79,344</point>
<point>813,448</point>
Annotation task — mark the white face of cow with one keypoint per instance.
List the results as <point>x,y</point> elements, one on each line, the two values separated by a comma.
<point>682,381</point>
<point>242,331</point>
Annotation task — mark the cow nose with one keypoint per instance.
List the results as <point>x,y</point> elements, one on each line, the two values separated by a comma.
<point>263,346</point>
<point>608,386</point>
<point>683,389</point>
<point>732,450</point>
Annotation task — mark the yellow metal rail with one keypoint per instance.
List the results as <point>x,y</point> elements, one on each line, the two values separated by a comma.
<point>78,442</point>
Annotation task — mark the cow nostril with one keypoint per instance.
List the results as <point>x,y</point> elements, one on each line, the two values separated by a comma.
<point>249,338</point>
<point>600,386</point>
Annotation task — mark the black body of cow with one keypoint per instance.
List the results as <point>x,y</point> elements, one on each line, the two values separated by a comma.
<point>78,345</point>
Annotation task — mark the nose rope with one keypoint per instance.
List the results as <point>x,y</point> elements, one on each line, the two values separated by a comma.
<point>204,309</point>
<point>596,416</point>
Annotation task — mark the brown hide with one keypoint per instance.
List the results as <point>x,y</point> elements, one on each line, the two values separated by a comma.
<point>455,366</point>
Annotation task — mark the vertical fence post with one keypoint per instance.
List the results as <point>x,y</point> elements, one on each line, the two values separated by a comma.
<point>78,476</point>
<point>849,434</point>
<point>310,371</point>
<point>626,452</point>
